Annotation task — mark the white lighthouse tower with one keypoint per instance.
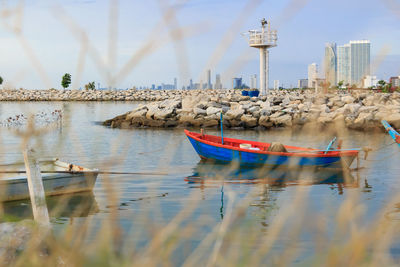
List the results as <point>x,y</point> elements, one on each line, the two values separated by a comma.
<point>262,40</point>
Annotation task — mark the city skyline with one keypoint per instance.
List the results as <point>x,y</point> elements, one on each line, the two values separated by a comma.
<point>57,50</point>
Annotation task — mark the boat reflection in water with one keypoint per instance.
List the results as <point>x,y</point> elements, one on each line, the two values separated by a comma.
<point>207,173</point>
<point>65,206</point>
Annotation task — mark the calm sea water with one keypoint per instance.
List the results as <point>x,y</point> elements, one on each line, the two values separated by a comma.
<point>156,199</point>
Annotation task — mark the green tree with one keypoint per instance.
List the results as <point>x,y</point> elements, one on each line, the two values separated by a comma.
<point>66,80</point>
<point>388,87</point>
<point>381,83</point>
<point>90,86</point>
<point>340,83</point>
<point>1,80</point>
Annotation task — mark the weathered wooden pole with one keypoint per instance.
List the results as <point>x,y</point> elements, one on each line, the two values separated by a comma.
<point>36,189</point>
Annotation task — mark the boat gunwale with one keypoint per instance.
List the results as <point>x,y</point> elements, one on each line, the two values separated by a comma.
<point>312,153</point>
<point>57,174</point>
<point>391,131</point>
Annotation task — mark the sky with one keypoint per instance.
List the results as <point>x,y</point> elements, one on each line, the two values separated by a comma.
<point>126,43</point>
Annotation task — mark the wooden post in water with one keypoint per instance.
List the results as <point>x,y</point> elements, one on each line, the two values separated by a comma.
<point>36,189</point>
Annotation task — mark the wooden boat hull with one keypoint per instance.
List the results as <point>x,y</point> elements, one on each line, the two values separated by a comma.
<point>79,179</point>
<point>220,153</point>
<point>57,184</point>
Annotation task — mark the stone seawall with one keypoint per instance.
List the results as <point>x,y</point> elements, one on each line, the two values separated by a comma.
<point>88,95</point>
<point>355,110</point>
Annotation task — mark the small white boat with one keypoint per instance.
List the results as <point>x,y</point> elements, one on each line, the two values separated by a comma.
<point>58,178</point>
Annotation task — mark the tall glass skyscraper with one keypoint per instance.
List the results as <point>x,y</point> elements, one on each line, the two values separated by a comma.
<point>330,65</point>
<point>360,60</point>
<point>312,75</point>
<point>209,85</point>
<point>353,62</point>
<point>343,64</point>
<point>218,84</point>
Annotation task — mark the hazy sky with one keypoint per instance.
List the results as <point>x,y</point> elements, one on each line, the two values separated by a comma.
<point>157,40</point>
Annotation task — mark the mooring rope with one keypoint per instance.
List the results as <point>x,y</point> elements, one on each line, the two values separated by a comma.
<point>382,159</point>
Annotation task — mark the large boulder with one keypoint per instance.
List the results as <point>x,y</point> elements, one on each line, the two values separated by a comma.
<point>189,102</point>
<point>210,123</point>
<point>171,103</point>
<point>136,114</point>
<point>212,110</point>
<point>249,121</point>
<point>187,119</point>
<point>234,114</point>
<point>394,120</point>
<point>325,118</point>
<point>285,120</point>
<point>348,99</point>
<point>264,121</point>
<point>152,109</point>
<point>364,120</point>
<point>199,111</point>
<point>164,113</point>
<point>369,101</point>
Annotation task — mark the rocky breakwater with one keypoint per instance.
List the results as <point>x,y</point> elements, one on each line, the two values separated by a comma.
<point>89,95</point>
<point>356,110</point>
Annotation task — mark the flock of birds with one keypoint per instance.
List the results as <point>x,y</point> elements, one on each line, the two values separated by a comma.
<point>41,119</point>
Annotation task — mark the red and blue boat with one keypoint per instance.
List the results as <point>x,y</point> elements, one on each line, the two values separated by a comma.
<point>391,131</point>
<point>249,153</point>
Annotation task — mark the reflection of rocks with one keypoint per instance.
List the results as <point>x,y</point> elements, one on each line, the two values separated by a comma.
<point>202,108</point>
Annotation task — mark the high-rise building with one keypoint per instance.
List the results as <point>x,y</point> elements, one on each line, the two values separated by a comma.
<point>191,84</point>
<point>395,81</point>
<point>330,63</point>
<point>312,75</point>
<point>369,81</point>
<point>253,81</point>
<point>276,84</point>
<point>360,60</point>
<point>218,84</point>
<point>175,83</point>
<point>237,83</point>
<point>302,83</point>
<point>343,64</point>
<point>209,84</point>
<point>353,62</point>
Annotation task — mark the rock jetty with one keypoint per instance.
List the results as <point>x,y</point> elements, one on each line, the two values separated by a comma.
<point>88,95</point>
<point>362,110</point>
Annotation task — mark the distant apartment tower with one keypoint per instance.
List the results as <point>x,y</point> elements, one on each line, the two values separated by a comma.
<point>253,81</point>
<point>218,84</point>
<point>395,81</point>
<point>330,63</point>
<point>360,60</point>
<point>276,84</point>
<point>302,83</point>
<point>312,75</point>
<point>343,64</point>
<point>237,83</point>
<point>209,84</point>
<point>353,62</point>
<point>369,81</point>
<point>175,83</point>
